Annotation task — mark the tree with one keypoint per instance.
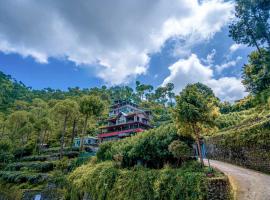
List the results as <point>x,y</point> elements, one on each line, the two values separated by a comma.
<point>256,74</point>
<point>65,109</point>
<point>180,150</point>
<point>17,123</point>
<point>90,106</point>
<point>251,24</point>
<point>141,89</point>
<point>195,112</point>
<point>169,87</point>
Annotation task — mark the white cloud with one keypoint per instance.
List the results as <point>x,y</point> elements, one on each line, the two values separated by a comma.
<point>231,63</point>
<point>234,47</point>
<point>227,88</point>
<point>191,70</point>
<point>118,34</point>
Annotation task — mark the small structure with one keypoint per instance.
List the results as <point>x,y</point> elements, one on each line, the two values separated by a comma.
<point>87,141</point>
<point>125,119</point>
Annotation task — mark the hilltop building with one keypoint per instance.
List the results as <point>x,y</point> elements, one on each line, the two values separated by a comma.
<point>125,119</point>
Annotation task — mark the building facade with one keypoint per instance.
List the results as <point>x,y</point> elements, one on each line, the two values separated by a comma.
<point>125,119</point>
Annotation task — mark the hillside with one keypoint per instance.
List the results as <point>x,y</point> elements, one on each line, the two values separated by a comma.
<point>244,139</point>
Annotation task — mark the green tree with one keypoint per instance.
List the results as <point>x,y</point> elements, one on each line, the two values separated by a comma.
<point>195,111</point>
<point>65,109</point>
<point>143,89</point>
<point>180,150</point>
<point>169,87</point>
<point>251,24</point>
<point>256,74</point>
<point>18,123</point>
<point>90,106</point>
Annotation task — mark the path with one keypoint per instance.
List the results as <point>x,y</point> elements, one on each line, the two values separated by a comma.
<point>247,184</point>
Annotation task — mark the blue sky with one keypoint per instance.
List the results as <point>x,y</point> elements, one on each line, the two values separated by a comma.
<point>86,44</point>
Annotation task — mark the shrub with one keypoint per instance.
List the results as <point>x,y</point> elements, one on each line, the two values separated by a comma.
<point>35,158</point>
<point>6,194</point>
<point>22,177</point>
<point>36,166</point>
<point>149,148</point>
<point>105,181</point>
<point>180,150</point>
<point>5,151</point>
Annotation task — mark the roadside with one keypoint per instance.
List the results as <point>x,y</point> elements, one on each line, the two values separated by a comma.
<point>247,184</point>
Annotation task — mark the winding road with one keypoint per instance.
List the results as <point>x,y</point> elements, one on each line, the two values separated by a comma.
<point>247,184</point>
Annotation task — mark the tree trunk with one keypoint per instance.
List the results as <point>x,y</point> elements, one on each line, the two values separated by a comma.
<point>73,132</point>
<point>84,131</point>
<point>197,138</point>
<point>63,137</point>
<point>43,137</point>
<point>199,150</point>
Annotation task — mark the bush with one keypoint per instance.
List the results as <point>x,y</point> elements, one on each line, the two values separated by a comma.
<point>6,194</point>
<point>149,148</point>
<point>105,181</point>
<point>180,150</point>
<point>36,166</point>
<point>5,151</point>
<point>35,158</point>
<point>22,177</point>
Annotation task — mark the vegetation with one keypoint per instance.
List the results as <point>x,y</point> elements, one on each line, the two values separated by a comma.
<point>37,129</point>
<point>195,112</point>
<point>149,148</point>
<point>106,181</point>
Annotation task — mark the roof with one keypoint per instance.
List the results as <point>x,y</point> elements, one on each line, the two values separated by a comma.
<point>103,135</point>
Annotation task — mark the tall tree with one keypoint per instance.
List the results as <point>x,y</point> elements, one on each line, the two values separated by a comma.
<point>143,89</point>
<point>90,106</point>
<point>256,74</point>
<point>195,111</point>
<point>65,109</point>
<point>251,25</point>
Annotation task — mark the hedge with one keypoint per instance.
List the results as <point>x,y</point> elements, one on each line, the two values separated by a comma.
<point>106,181</point>
<point>22,177</point>
<point>37,166</point>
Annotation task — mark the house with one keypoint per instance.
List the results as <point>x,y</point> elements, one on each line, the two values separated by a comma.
<point>87,141</point>
<point>125,119</point>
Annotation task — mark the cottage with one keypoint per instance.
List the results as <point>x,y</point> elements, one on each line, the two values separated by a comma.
<point>125,119</point>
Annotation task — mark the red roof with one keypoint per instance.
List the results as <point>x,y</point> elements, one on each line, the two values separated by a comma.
<point>120,132</point>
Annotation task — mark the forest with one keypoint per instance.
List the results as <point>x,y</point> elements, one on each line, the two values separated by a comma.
<point>38,127</point>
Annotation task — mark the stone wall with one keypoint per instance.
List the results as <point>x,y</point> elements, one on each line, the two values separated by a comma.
<point>218,188</point>
<point>255,157</point>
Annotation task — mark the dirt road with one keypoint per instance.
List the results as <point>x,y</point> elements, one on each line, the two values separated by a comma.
<point>247,184</point>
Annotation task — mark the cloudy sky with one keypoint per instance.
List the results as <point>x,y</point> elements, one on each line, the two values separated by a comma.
<point>69,43</point>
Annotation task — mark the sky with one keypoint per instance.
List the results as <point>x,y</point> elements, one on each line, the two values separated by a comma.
<point>61,44</point>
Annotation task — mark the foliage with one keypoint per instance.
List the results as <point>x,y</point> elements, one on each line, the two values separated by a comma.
<point>34,166</point>
<point>105,181</point>
<point>149,148</point>
<point>35,158</point>
<point>22,177</point>
<point>5,193</point>
<point>242,118</point>
<point>5,151</point>
<point>195,111</point>
<point>251,23</point>
<point>256,74</point>
<point>180,150</point>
